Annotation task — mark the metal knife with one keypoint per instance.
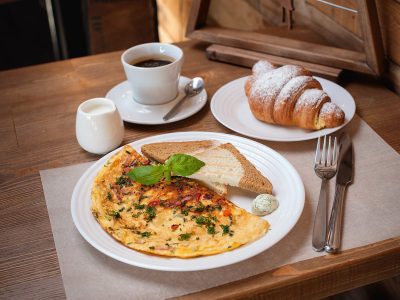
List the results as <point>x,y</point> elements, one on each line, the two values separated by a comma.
<point>343,178</point>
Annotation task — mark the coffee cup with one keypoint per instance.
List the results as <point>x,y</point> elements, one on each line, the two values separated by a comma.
<point>99,127</point>
<point>153,72</point>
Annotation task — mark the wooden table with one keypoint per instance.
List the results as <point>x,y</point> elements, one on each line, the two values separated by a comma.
<point>37,129</point>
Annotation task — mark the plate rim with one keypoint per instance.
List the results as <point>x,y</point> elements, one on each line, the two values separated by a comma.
<point>306,136</point>
<point>203,94</point>
<point>95,167</point>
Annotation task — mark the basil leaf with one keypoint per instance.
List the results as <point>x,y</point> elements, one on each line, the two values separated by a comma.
<point>183,164</point>
<point>147,174</point>
<point>167,174</point>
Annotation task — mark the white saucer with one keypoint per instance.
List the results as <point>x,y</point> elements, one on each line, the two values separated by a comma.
<point>134,112</point>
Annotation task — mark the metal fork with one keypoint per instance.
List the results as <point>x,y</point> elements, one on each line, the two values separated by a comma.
<point>325,166</point>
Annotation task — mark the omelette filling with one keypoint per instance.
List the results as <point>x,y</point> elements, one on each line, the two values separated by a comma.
<point>179,218</point>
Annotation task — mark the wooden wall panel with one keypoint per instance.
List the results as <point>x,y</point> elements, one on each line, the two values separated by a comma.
<point>120,24</point>
<point>347,19</point>
<point>389,18</point>
<point>337,27</point>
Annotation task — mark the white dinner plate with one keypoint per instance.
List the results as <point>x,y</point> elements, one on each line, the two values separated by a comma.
<point>230,107</point>
<point>288,188</point>
<point>134,112</point>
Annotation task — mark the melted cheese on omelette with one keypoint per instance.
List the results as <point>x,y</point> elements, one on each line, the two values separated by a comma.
<point>178,218</point>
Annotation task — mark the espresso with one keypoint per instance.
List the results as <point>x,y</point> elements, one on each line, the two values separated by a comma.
<point>151,62</point>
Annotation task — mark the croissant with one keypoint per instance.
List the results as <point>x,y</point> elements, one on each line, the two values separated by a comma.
<point>290,96</point>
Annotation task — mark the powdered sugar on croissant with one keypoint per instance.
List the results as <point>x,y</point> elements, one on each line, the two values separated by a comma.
<point>289,95</point>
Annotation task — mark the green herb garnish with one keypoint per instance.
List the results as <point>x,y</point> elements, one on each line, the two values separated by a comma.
<point>184,236</point>
<point>151,213</point>
<point>137,215</point>
<point>123,181</point>
<point>225,229</point>
<point>142,197</point>
<point>145,234</point>
<point>139,206</point>
<point>200,208</point>
<point>178,164</point>
<point>183,164</point>
<point>116,214</point>
<point>211,229</point>
<point>201,220</point>
<point>109,196</point>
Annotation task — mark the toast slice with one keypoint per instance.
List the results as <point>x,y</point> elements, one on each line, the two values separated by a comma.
<point>160,152</point>
<point>224,163</point>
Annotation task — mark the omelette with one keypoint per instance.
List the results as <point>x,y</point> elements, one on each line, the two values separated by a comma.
<point>176,218</point>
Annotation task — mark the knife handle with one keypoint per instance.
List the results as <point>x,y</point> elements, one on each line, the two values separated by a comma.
<point>320,220</point>
<point>335,221</point>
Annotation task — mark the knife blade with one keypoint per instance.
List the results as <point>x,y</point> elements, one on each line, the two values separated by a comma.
<point>345,171</point>
<point>343,178</point>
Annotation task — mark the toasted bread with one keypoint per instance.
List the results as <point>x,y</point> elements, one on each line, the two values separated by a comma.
<point>160,152</point>
<point>224,163</point>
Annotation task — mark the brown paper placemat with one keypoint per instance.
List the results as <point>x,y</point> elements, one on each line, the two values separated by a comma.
<point>372,212</point>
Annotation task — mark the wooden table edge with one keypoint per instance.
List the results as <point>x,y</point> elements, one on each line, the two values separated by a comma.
<point>316,277</point>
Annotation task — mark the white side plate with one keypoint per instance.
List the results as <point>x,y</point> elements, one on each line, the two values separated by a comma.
<point>230,107</point>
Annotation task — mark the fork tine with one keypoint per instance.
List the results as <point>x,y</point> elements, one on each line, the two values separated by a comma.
<point>317,158</point>
<point>323,157</point>
<point>335,151</point>
<point>329,155</point>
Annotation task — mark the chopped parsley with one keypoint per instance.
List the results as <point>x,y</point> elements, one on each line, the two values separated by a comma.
<point>145,234</point>
<point>137,215</point>
<point>211,229</point>
<point>142,197</point>
<point>139,206</point>
<point>200,208</point>
<point>208,221</point>
<point>109,196</point>
<point>201,220</point>
<point>184,236</point>
<point>225,229</point>
<point>185,212</point>
<point>151,213</point>
<point>123,181</point>
<point>116,214</point>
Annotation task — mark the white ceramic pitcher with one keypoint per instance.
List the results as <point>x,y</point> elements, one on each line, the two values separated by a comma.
<point>99,127</point>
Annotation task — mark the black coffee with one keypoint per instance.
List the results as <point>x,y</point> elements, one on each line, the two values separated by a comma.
<point>152,62</point>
